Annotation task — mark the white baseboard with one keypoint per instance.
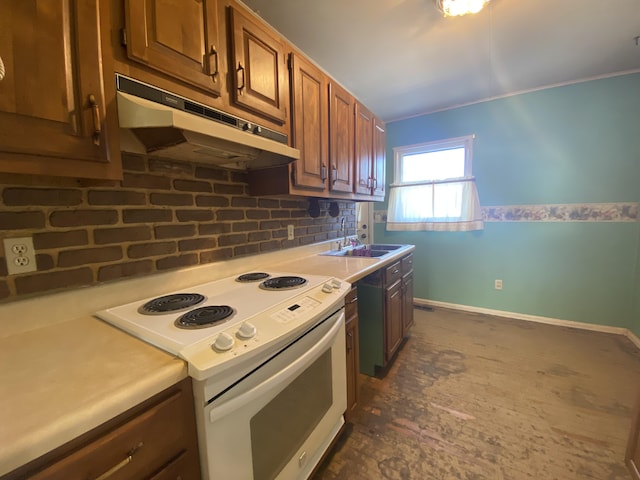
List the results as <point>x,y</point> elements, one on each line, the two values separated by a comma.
<point>421,302</point>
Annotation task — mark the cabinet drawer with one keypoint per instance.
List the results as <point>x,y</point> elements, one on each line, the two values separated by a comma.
<point>392,274</point>
<point>351,303</point>
<point>407,263</point>
<point>135,450</point>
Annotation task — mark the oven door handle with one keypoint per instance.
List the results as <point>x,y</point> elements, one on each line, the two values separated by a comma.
<point>282,377</point>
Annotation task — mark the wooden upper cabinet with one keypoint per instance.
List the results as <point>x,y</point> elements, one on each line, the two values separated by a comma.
<point>180,38</point>
<point>340,139</point>
<point>379,158</point>
<point>363,149</point>
<point>52,98</point>
<point>258,67</point>
<point>310,108</point>
<point>370,152</point>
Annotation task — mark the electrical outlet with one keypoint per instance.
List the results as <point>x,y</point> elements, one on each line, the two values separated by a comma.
<point>290,235</point>
<point>497,284</point>
<point>20,255</point>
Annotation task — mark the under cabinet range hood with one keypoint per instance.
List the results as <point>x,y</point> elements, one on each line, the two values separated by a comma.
<point>156,122</point>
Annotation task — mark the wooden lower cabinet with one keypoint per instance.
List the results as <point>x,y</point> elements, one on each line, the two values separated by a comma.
<point>407,294</point>
<point>353,359</point>
<point>157,439</point>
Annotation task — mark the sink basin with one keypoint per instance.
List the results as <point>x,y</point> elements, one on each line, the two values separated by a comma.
<point>365,253</point>
<point>362,251</point>
<point>377,246</point>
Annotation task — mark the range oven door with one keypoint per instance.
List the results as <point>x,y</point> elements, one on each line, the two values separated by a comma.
<point>278,421</point>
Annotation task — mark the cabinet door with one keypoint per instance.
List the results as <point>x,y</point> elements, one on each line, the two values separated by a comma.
<point>379,157</point>
<point>393,319</point>
<point>177,37</point>
<point>52,100</point>
<point>258,68</point>
<point>310,123</point>
<point>352,365</point>
<point>341,139</point>
<point>407,303</point>
<point>364,149</point>
<point>353,351</point>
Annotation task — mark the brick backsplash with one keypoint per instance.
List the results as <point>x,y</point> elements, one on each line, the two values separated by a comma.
<point>162,215</point>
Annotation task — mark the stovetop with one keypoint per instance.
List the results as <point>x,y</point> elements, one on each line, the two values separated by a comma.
<point>259,316</point>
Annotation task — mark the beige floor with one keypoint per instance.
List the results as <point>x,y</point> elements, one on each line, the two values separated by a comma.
<point>476,397</point>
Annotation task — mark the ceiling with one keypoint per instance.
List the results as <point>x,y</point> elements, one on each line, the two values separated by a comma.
<point>403,58</point>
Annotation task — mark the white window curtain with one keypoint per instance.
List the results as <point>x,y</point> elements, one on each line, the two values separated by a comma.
<point>446,206</point>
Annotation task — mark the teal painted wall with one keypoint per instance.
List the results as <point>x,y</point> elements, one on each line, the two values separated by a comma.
<point>572,144</point>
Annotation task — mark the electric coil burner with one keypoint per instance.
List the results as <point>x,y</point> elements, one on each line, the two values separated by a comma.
<point>282,283</point>
<point>171,303</point>
<point>204,316</point>
<point>252,277</point>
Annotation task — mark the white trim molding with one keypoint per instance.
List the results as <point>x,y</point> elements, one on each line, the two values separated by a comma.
<point>421,302</point>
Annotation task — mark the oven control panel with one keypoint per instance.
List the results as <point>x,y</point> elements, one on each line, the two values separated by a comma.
<point>300,307</point>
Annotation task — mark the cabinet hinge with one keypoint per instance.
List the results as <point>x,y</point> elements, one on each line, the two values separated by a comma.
<point>123,37</point>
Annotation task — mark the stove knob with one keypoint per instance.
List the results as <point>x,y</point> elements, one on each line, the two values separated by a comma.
<point>224,342</point>
<point>327,288</point>
<point>336,283</point>
<point>246,331</point>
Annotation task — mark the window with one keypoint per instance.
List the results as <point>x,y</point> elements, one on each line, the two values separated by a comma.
<point>434,188</point>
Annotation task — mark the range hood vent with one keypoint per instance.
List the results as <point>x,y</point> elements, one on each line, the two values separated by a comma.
<point>160,123</point>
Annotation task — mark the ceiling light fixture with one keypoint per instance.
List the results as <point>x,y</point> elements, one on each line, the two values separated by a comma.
<point>452,8</point>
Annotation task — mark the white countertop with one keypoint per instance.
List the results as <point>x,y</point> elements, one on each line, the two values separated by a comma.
<point>64,372</point>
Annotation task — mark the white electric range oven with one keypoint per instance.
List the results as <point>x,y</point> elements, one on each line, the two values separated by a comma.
<point>266,352</point>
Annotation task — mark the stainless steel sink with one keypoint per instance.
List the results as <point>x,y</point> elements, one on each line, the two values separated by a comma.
<point>377,246</point>
<point>374,250</point>
<point>365,252</point>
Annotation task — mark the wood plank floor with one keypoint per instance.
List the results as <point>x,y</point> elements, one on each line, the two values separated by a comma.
<point>475,397</point>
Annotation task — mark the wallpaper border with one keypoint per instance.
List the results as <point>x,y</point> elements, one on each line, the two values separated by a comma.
<point>571,212</point>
